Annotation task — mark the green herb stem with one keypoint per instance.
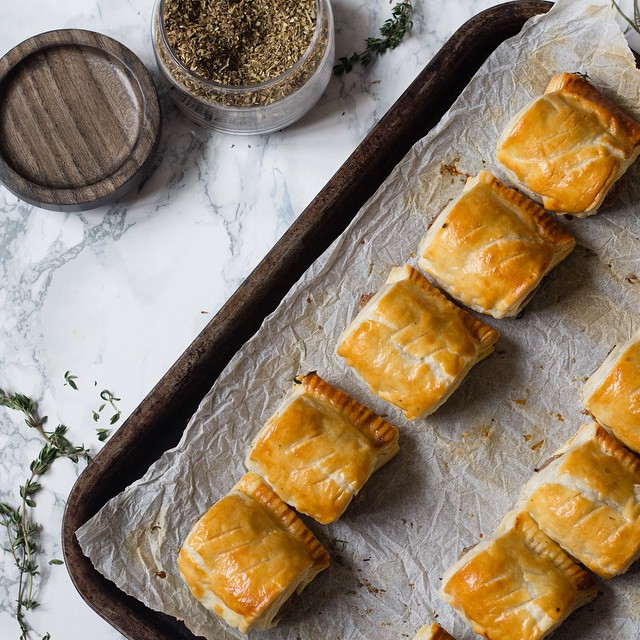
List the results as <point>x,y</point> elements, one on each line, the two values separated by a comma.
<point>634,23</point>
<point>21,529</point>
<point>392,32</point>
<point>108,398</point>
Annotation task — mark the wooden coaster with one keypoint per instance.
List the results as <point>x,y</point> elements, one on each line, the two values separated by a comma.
<point>79,120</point>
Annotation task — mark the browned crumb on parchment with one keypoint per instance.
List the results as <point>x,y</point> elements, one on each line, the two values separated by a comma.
<point>364,298</point>
<point>537,445</point>
<point>369,587</point>
<point>452,169</point>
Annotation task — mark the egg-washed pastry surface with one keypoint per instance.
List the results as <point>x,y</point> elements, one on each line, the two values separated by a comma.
<point>432,631</point>
<point>411,345</point>
<point>491,247</point>
<point>517,583</point>
<point>569,145</point>
<point>248,554</point>
<point>587,498</point>
<point>320,447</point>
<point>612,393</point>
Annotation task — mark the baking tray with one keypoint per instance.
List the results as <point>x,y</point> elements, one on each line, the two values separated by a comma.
<point>159,421</point>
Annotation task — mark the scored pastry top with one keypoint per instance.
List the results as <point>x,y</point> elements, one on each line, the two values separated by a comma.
<point>569,145</point>
<point>248,554</point>
<point>491,247</point>
<point>413,346</point>
<point>320,447</point>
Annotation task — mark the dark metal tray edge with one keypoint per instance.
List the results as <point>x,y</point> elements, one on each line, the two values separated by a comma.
<point>158,422</point>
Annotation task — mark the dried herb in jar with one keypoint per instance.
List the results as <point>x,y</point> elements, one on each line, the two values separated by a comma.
<point>239,42</point>
<point>197,89</point>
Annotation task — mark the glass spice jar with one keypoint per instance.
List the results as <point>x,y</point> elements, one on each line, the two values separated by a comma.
<point>263,107</point>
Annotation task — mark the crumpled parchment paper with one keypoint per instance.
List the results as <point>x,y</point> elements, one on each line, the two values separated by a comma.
<point>458,471</point>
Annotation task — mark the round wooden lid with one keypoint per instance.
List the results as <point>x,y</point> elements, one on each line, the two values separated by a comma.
<point>79,120</point>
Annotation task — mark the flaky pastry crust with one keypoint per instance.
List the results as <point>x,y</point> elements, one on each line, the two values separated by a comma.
<point>320,447</point>
<point>248,554</point>
<point>491,247</point>
<point>569,145</point>
<point>411,345</point>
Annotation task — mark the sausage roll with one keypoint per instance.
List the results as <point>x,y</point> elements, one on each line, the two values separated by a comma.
<point>411,345</point>
<point>517,583</point>
<point>432,631</point>
<point>320,447</point>
<point>612,393</point>
<point>491,247</point>
<point>248,554</point>
<point>569,145</point>
<point>587,499</point>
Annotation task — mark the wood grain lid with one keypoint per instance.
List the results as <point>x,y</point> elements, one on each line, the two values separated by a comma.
<point>79,120</point>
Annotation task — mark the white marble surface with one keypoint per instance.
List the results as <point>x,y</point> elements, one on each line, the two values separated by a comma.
<point>116,294</point>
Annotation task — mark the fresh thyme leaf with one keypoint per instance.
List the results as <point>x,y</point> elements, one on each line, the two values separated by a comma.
<point>18,402</point>
<point>55,561</point>
<point>70,380</point>
<point>392,32</point>
<point>103,434</point>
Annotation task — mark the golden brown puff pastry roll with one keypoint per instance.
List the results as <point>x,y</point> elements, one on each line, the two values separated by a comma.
<point>248,554</point>
<point>411,345</point>
<point>517,583</point>
<point>320,447</point>
<point>491,247</point>
<point>432,631</point>
<point>569,145</point>
<point>587,499</point>
<point>612,393</point>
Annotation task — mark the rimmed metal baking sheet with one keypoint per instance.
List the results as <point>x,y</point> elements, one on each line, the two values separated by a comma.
<point>159,421</point>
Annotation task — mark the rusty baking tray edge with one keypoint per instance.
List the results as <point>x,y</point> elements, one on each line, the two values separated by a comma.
<point>158,422</point>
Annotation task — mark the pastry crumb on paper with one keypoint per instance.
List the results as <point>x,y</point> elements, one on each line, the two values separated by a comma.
<point>448,486</point>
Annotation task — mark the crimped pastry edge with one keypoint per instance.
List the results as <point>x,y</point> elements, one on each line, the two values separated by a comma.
<point>556,83</point>
<point>537,542</point>
<point>552,233</point>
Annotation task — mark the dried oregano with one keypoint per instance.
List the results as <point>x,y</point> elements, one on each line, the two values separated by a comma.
<point>239,42</point>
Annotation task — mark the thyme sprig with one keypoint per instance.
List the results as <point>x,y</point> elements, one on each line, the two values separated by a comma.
<point>22,530</point>
<point>633,23</point>
<point>392,31</point>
